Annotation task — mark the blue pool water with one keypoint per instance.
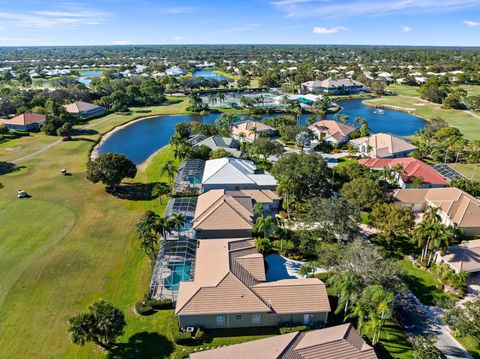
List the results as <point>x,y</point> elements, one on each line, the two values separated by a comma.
<point>279,268</point>
<point>194,179</point>
<point>143,138</point>
<point>209,74</point>
<point>179,274</point>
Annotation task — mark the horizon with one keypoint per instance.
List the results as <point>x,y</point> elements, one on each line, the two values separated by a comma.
<point>419,23</point>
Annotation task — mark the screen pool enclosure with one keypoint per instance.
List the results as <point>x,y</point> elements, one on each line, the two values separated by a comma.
<point>448,172</point>
<point>176,258</point>
<point>189,176</point>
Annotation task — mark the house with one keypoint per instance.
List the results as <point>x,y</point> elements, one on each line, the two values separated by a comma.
<point>84,110</point>
<point>268,198</point>
<point>412,168</point>
<point>251,130</point>
<point>332,132</point>
<point>339,342</point>
<point>189,177</point>
<point>456,206</point>
<point>235,174</point>
<point>383,145</point>
<point>230,290</point>
<point>331,86</point>
<point>464,257</point>
<point>221,143</point>
<point>175,71</point>
<point>24,122</point>
<point>222,215</point>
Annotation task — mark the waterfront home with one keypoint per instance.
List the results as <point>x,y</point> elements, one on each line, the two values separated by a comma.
<point>229,290</point>
<point>411,169</point>
<point>235,174</point>
<point>383,145</point>
<point>464,257</point>
<point>189,177</point>
<point>336,87</point>
<point>85,110</point>
<point>455,206</point>
<point>175,71</point>
<point>339,342</point>
<point>217,142</point>
<point>24,122</point>
<point>251,130</point>
<point>331,132</point>
<point>222,215</point>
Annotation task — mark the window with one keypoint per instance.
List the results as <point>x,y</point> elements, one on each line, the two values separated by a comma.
<point>238,316</point>
<point>256,318</point>
<point>220,320</point>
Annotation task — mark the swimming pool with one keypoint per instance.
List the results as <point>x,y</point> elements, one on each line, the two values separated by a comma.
<point>180,273</point>
<point>194,179</point>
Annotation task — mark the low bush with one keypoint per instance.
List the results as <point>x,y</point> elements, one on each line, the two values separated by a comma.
<point>199,334</point>
<point>288,329</point>
<point>159,304</point>
<point>143,309</point>
<point>179,337</point>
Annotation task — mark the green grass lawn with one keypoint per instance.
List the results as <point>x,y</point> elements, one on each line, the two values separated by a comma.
<point>468,170</point>
<point>406,90</point>
<point>471,345</point>
<point>423,284</point>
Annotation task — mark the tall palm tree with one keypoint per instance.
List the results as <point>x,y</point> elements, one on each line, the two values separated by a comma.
<point>265,224</point>
<point>221,96</point>
<point>347,287</point>
<point>177,221</point>
<point>164,226</point>
<point>169,169</point>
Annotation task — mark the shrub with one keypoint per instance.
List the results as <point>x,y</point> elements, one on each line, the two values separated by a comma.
<point>143,309</point>
<point>288,329</point>
<point>159,304</point>
<point>199,334</point>
<point>179,337</point>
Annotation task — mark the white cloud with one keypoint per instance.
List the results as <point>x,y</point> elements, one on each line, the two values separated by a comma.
<point>122,42</point>
<point>347,8</point>
<point>406,28</point>
<point>471,23</point>
<point>328,30</point>
<point>179,10</point>
<point>178,38</point>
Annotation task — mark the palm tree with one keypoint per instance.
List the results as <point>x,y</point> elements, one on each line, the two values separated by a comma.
<point>159,190</point>
<point>221,96</point>
<point>307,269</point>
<point>285,188</point>
<point>147,231</point>
<point>176,140</point>
<point>164,226</point>
<point>177,221</point>
<point>265,224</point>
<point>347,287</point>
<point>254,131</point>
<point>169,169</point>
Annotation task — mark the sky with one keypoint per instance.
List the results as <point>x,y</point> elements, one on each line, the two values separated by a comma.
<point>121,22</point>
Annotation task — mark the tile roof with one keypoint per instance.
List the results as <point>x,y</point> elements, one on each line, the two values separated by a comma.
<point>234,171</point>
<point>464,257</point>
<point>258,195</point>
<point>247,126</point>
<point>80,106</point>
<point>462,208</point>
<point>220,142</point>
<point>218,210</point>
<point>334,129</point>
<point>411,166</point>
<point>24,119</point>
<point>333,84</point>
<point>339,342</point>
<point>229,278</point>
<point>384,144</point>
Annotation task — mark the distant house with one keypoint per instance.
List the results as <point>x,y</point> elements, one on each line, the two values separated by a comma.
<point>251,130</point>
<point>464,257</point>
<point>230,290</point>
<point>24,122</point>
<point>456,206</point>
<point>222,215</point>
<point>84,109</point>
<point>235,174</point>
<point>339,342</point>
<point>332,132</point>
<point>383,145</point>
<point>175,71</point>
<point>337,87</point>
<point>221,143</point>
<point>412,168</point>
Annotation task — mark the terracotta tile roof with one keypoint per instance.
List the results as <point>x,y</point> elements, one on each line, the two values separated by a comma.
<point>288,296</point>
<point>462,208</point>
<point>80,106</point>
<point>384,144</point>
<point>229,278</point>
<point>217,210</point>
<point>247,126</point>
<point>412,168</point>
<point>464,257</point>
<point>339,342</point>
<point>334,129</point>
<point>258,195</point>
<point>24,119</point>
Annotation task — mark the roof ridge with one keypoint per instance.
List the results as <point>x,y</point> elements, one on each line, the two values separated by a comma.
<point>204,180</point>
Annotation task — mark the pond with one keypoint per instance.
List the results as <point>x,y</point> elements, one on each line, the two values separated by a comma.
<point>85,78</point>
<point>209,74</point>
<point>141,139</point>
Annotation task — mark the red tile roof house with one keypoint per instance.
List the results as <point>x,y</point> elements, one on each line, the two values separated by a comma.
<point>335,133</point>
<point>339,342</point>
<point>230,290</point>
<point>84,110</point>
<point>412,168</point>
<point>25,122</point>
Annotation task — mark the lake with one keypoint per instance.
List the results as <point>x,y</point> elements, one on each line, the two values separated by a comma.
<point>85,78</point>
<point>141,139</point>
<point>209,74</point>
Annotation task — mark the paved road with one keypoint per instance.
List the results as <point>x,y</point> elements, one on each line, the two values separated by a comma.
<point>50,145</point>
<point>416,319</point>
